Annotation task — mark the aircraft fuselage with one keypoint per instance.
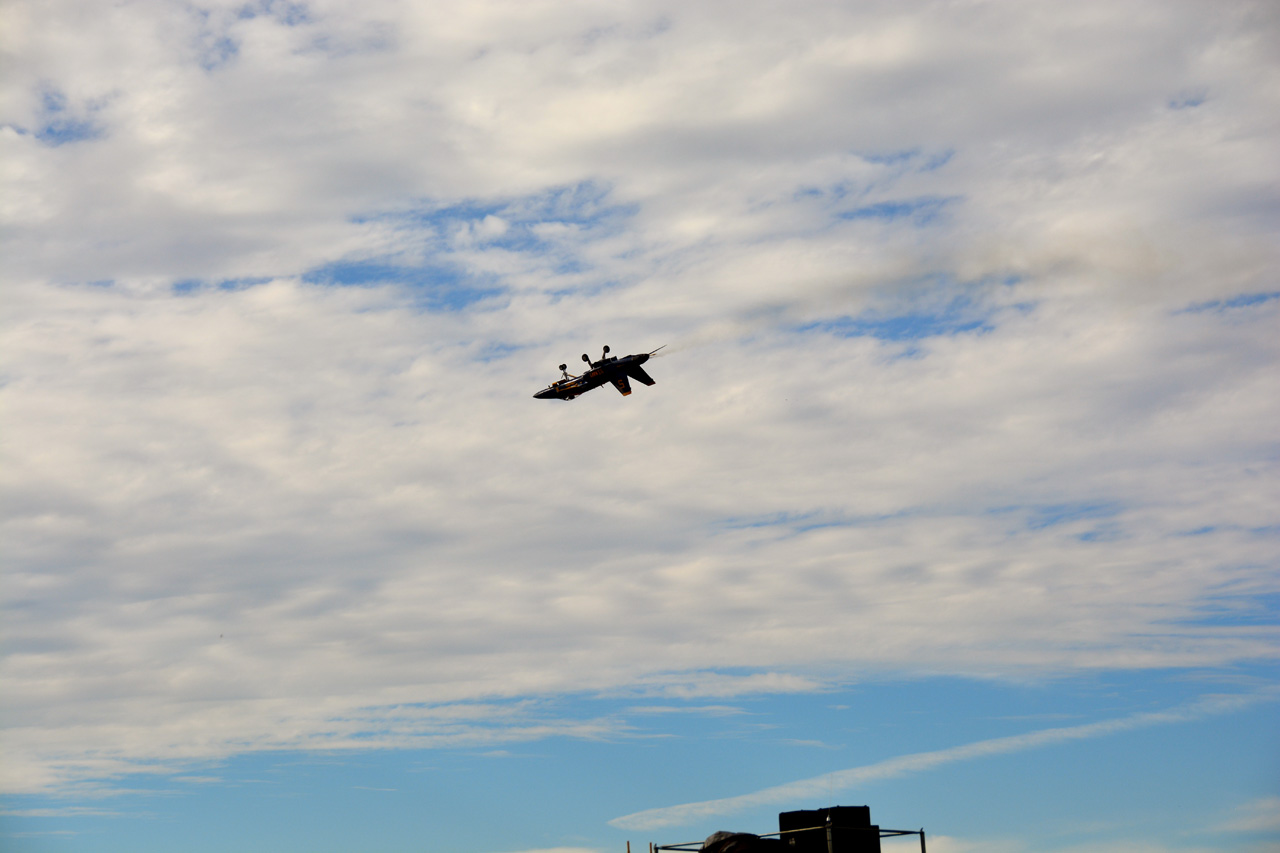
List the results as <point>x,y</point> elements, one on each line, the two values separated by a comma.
<point>618,371</point>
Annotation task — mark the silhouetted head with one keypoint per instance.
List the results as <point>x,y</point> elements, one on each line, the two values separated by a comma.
<point>740,842</point>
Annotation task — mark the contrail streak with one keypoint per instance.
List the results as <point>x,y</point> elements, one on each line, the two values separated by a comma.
<point>822,786</point>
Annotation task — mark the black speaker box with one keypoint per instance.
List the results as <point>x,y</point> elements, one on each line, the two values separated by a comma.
<point>851,830</point>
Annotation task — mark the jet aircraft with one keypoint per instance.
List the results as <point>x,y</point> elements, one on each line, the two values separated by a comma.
<point>619,371</point>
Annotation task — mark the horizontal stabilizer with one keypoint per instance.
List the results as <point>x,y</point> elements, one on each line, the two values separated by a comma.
<point>637,373</point>
<point>623,386</point>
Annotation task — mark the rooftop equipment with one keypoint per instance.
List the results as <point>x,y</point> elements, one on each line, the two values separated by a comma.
<point>837,829</point>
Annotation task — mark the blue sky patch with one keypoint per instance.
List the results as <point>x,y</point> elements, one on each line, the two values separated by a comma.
<point>1244,300</point>
<point>217,52</point>
<point>774,519</point>
<point>60,125</point>
<point>907,156</point>
<point>892,167</point>
<point>1187,101</point>
<point>906,327</point>
<point>213,48</point>
<point>194,285</point>
<point>1236,610</point>
<point>547,230</point>
<point>343,799</point>
<point>921,161</point>
<point>583,206</point>
<point>1102,533</point>
<point>1044,516</point>
<point>892,158</point>
<point>937,161</point>
<point>1049,515</point>
<point>959,316</point>
<point>286,13</point>
<point>921,211</point>
<point>803,522</point>
<point>440,287</point>
<point>495,351</point>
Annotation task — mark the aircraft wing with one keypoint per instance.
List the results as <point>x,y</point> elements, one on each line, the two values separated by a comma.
<point>637,373</point>
<point>623,386</point>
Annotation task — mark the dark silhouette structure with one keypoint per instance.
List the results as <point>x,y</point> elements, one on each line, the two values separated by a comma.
<point>741,842</point>
<point>838,829</point>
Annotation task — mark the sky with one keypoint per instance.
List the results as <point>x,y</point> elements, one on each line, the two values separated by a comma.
<point>956,494</point>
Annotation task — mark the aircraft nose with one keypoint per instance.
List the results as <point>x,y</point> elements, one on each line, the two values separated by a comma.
<point>642,358</point>
<point>544,394</point>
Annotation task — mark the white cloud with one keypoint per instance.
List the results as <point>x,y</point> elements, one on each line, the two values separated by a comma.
<point>1260,815</point>
<point>66,811</point>
<point>562,850</point>
<point>710,710</point>
<point>274,514</point>
<point>841,780</point>
<point>949,844</point>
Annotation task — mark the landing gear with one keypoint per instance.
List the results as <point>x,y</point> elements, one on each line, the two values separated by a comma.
<point>603,357</point>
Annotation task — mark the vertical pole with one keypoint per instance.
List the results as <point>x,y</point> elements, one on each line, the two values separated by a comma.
<point>628,846</point>
<point>922,850</point>
<point>830,847</point>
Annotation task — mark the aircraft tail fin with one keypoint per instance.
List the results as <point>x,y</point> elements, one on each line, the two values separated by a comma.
<point>623,386</point>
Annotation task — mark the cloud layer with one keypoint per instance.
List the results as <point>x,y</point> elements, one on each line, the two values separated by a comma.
<point>971,360</point>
